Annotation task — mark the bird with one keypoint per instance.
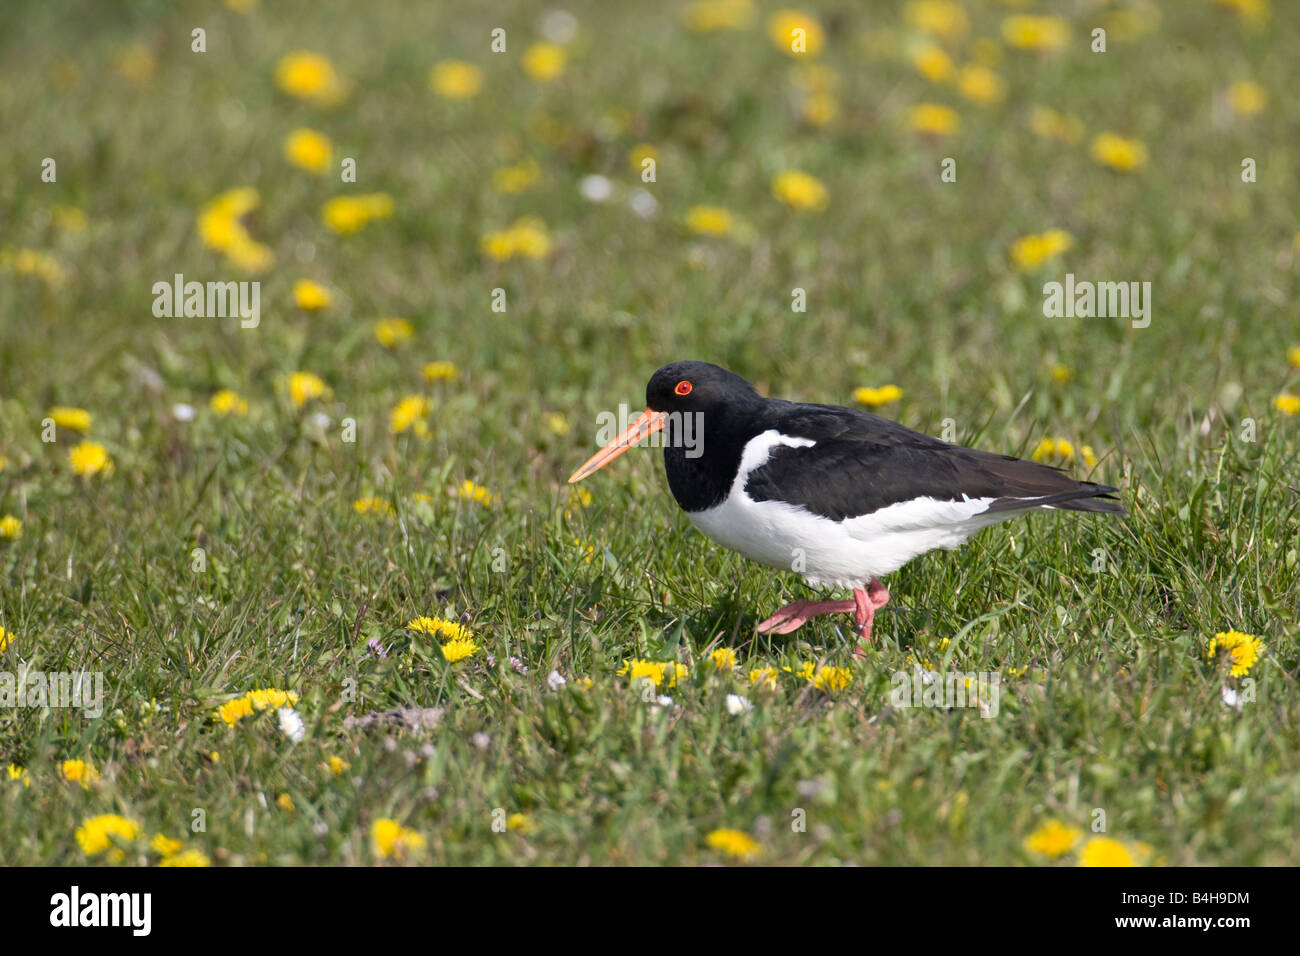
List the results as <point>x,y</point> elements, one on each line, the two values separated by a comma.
<point>839,495</point>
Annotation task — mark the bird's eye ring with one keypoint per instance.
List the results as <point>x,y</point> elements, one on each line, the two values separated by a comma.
<point>683,388</point>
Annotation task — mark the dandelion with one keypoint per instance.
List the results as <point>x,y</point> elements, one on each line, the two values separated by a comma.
<point>234,711</point>
<point>409,415</point>
<point>639,153</point>
<point>1053,839</point>
<point>78,771</point>
<point>1049,448</point>
<point>337,765</point>
<point>31,262</point>
<point>557,423</point>
<point>515,179</point>
<point>440,627</point>
<point>945,19</point>
<point>440,371</point>
<point>88,459</point>
<point>1293,355</point>
<point>220,229</point>
<point>1035,33</point>
<point>309,296</point>
<point>285,803</point>
<point>1061,373</point>
<point>764,677</point>
<point>392,840</point>
<point>1032,251</point>
<point>1243,650</point>
<point>1255,12</point>
<point>1088,455</point>
<point>526,239</point>
<point>1247,98</point>
<point>458,650</point>
<point>227,403</point>
<point>190,858</point>
<point>1287,404</point>
<point>391,333</point>
<point>256,701</point>
<point>981,85</point>
<point>796,33</point>
<point>11,528</point>
<point>1103,851</point>
<point>97,835</point>
<point>309,76</point>
<point>164,845</point>
<point>734,843</point>
<point>309,150</point>
<point>1116,152</point>
<point>68,218</point>
<point>710,16</point>
<point>304,386</point>
<point>655,672</point>
<point>373,506</point>
<point>544,62</point>
<point>933,64</point>
<point>800,190</point>
<point>520,823</point>
<point>1049,124</point>
<point>17,773</point>
<point>875,397</point>
<point>709,220</point>
<point>346,215</point>
<point>933,119</point>
<point>469,491</point>
<point>73,419</point>
<point>724,658</point>
<point>455,79</point>
<point>828,679</point>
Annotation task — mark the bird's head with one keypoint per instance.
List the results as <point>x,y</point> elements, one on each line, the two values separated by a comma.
<point>676,390</point>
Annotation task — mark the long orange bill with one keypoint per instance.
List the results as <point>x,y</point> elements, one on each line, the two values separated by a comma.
<point>647,423</point>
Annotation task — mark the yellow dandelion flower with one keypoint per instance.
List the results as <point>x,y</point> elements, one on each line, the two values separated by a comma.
<point>933,64</point>
<point>310,296</point>
<point>800,190</point>
<point>285,803</point>
<point>191,857</point>
<point>1036,33</point>
<point>945,19</point>
<point>527,239</point>
<point>440,627</point>
<point>11,527</point>
<point>226,403</point>
<point>373,506</point>
<point>73,419</point>
<point>309,76</point>
<point>1243,650</point>
<point>981,85</point>
<point>346,215</point>
<point>1050,448</point>
<point>1287,404</point>
<point>68,218</point>
<point>724,659</point>
<point>337,765</point>
<point>469,491</point>
<point>409,415</point>
<point>96,835</point>
<point>734,843</point>
<point>78,771</point>
<point>1088,455</point>
<point>309,150</point>
<point>6,638</point>
<point>1247,98</point>
<point>440,371</point>
<point>1032,251</point>
<point>764,677</point>
<point>304,386</point>
<point>458,650</point>
<point>1103,851</point>
<point>875,397</point>
<point>391,333</point>
<point>520,823</point>
<point>544,62</point>
<point>710,16</point>
<point>271,698</point>
<point>709,220</point>
<point>89,459</point>
<point>164,845</point>
<point>1116,152</point>
<point>515,179</point>
<point>1293,355</point>
<point>18,774</point>
<point>796,33</point>
<point>557,423</point>
<point>1053,839</point>
<point>827,679</point>
<point>234,711</point>
<point>455,79</point>
<point>1061,373</point>
<point>933,119</point>
<point>639,153</point>
<point>1254,12</point>
<point>31,262</point>
<point>392,840</point>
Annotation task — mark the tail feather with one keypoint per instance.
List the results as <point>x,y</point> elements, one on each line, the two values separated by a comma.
<point>1085,496</point>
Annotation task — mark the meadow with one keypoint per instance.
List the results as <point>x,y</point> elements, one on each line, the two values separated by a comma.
<point>346,608</point>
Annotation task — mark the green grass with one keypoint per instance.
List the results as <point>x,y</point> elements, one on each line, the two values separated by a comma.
<point>1108,699</point>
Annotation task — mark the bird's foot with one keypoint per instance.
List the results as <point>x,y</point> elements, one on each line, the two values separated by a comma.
<point>796,615</point>
<point>865,605</point>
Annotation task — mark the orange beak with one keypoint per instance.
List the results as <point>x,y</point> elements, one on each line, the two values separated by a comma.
<point>647,423</point>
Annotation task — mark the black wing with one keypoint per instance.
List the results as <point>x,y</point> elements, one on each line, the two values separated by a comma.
<point>862,463</point>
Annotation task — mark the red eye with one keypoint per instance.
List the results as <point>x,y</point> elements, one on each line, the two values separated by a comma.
<point>683,388</point>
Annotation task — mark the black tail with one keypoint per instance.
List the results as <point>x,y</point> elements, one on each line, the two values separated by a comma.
<point>1085,496</point>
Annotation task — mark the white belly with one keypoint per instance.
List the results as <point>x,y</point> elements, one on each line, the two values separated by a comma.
<point>846,553</point>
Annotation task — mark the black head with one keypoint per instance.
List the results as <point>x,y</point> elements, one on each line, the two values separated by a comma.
<point>696,387</point>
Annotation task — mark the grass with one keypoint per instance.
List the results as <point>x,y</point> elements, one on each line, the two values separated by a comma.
<point>1109,701</point>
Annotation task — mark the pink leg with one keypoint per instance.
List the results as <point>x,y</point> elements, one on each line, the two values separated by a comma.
<point>794,616</point>
<point>866,604</point>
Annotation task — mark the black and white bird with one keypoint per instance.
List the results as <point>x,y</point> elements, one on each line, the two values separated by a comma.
<point>836,494</point>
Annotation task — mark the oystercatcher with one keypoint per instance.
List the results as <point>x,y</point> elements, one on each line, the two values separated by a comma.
<point>836,494</point>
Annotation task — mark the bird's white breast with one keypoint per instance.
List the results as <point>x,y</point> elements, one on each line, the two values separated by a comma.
<point>845,553</point>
